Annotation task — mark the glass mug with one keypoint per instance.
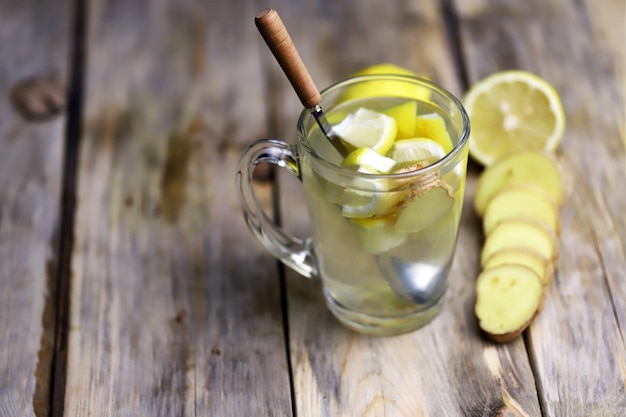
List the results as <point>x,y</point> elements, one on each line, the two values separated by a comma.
<point>382,244</point>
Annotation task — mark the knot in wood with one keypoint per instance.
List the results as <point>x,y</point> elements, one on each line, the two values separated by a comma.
<point>38,98</point>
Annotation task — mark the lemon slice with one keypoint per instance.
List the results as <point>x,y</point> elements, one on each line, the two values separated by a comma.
<point>405,119</point>
<point>360,204</point>
<point>369,161</point>
<point>433,126</point>
<point>384,88</point>
<point>377,234</point>
<point>370,197</point>
<point>383,68</point>
<point>356,203</point>
<point>513,111</point>
<point>367,128</point>
<point>416,150</point>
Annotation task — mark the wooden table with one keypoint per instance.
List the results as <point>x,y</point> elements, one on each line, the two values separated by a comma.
<point>130,285</point>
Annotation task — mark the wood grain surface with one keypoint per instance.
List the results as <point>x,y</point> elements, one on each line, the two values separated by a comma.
<point>174,308</point>
<point>34,46</point>
<point>175,311</point>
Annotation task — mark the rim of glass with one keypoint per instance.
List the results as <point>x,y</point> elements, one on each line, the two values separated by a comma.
<point>407,78</point>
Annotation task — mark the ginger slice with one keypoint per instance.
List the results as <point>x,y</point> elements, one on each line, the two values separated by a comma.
<point>532,168</point>
<point>528,258</point>
<point>507,299</point>
<point>424,206</point>
<point>523,256</point>
<point>521,201</point>
<point>520,234</point>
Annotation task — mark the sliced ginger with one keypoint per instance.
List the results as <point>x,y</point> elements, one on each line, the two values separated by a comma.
<point>425,208</point>
<point>507,299</point>
<point>534,169</point>
<point>526,257</point>
<point>518,198</point>
<point>519,201</point>
<point>520,234</point>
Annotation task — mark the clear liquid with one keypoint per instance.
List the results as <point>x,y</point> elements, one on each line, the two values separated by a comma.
<point>380,280</point>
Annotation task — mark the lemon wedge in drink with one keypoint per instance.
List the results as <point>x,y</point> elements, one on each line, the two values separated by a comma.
<point>416,150</point>
<point>372,134</point>
<point>369,197</point>
<point>513,111</point>
<point>357,203</point>
<point>367,128</point>
<point>404,114</point>
<point>432,126</point>
<point>369,161</point>
<point>377,234</point>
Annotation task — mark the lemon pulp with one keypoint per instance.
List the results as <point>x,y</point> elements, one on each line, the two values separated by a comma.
<point>513,111</point>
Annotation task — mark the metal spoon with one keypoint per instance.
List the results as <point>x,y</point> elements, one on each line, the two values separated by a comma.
<point>421,283</point>
<point>278,40</point>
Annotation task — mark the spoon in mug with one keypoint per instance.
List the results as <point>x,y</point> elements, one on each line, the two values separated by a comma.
<point>278,40</point>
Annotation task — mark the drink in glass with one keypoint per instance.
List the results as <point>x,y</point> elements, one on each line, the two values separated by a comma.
<point>385,212</point>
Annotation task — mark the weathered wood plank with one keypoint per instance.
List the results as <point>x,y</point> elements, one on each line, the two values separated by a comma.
<point>445,368</point>
<point>609,32</point>
<point>175,309</point>
<point>577,343</point>
<point>34,43</point>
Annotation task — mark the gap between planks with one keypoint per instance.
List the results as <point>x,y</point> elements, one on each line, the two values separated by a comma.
<point>272,122</point>
<point>73,131</point>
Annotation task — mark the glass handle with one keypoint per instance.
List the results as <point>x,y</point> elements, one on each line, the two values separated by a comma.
<point>292,251</point>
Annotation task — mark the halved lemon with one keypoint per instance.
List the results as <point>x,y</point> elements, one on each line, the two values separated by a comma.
<point>384,88</point>
<point>367,128</point>
<point>513,111</point>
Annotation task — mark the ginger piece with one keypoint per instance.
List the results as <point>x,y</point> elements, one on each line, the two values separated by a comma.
<point>507,299</point>
<point>521,202</point>
<point>535,169</point>
<point>520,234</point>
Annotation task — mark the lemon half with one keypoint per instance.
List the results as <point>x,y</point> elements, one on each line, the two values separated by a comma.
<point>377,234</point>
<point>385,88</point>
<point>513,111</point>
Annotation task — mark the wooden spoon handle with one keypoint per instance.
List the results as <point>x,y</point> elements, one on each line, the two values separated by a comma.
<point>278,40</point>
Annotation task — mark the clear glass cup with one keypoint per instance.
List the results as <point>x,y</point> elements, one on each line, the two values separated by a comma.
<point>382,244</point>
